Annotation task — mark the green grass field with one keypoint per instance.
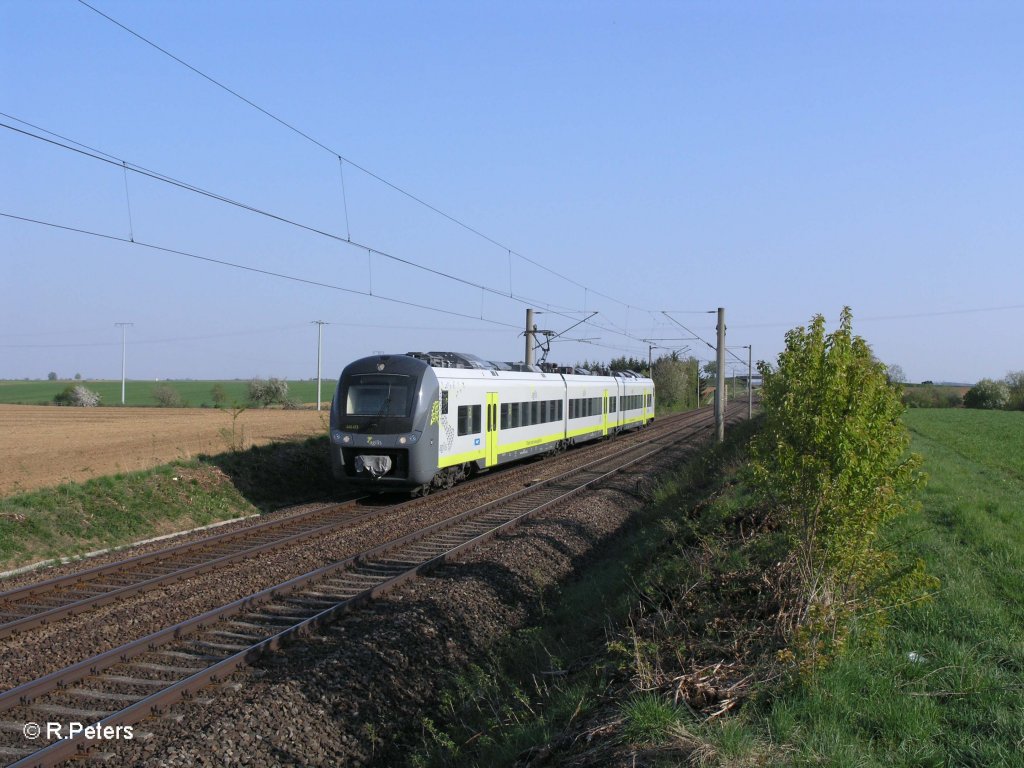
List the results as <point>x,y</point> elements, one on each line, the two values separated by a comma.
<point>140,393</point>
<point>946,686</point>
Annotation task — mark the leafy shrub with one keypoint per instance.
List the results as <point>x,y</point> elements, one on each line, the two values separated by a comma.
<point>264,393</point>
<point>167,396</point>
<point>77,395</point>
<point>988,394</point>
<point>832,462</point>
<point>219,395</point>
<point>930,396</point>
<point>1015,384</point>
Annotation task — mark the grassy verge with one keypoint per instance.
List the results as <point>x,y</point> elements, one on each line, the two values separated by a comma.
<point>946,685</point>
<point>75,518</point>
<point>663,653</point>
<point>592,684</point>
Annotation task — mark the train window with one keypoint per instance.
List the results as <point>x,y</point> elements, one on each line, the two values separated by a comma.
<point>504,415</point>
<point>444,401</point>
<point>514,415</point>
<point>611,404</point>
<point>469,419</point>
<point>650,400</point>
<point>544,412</point>
<point>378,395</point>
<point>527,413</point>
<point>536,413</point>
<point>559,417</point>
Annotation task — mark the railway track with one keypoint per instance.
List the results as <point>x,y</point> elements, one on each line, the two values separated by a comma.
<point>138,679</point>
<point>45,602</point>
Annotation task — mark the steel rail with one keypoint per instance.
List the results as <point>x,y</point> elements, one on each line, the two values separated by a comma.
<point>14,619</point>
<point>51,589</point>
<point>389,574</point>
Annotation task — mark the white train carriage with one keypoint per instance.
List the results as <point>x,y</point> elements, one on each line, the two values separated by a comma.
<point>491,417</point>
<point>587,406</point>
<point>426,420</point>
<point>636,401</point>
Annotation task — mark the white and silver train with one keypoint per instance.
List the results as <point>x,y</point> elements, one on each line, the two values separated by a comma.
<point>419,421</point>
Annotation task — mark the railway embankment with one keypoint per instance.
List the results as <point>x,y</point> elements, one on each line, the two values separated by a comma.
<point>75,518</point>
<point>379,687</point>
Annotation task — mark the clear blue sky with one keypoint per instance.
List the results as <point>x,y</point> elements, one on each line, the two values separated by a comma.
<point>776,159</point>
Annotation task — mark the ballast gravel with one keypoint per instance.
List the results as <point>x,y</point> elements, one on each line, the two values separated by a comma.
<point>356,693</point>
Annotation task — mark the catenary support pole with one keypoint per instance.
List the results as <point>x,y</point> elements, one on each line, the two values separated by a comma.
<point>720,389</point>
<point>529,337</point>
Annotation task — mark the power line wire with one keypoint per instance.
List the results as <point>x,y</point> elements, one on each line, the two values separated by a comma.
<point>105,157</point>
<point>247,268</point>
<point>359,167</point>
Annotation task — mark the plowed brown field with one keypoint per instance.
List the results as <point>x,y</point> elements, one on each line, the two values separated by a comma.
<point>46,445</point>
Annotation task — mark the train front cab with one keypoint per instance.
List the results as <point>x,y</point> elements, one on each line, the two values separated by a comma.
<point>384,424</point>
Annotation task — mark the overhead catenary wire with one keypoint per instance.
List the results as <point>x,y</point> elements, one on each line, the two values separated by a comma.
<point>102,156</point>
<point>247,268</point>
<point>105,157</point>
<point>710,345</point>
<point>340,156</point>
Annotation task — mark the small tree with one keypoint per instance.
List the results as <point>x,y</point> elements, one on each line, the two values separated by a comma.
<point>264,393</point>
<point>987,394</point>
<point>895,374</point>
<point>51,376</point>
<point>167,396</point>
<point>219,395</point>
<point>832,461</point>
<point>1015,385</point>
<point>671,380</point>
<point>77,395</point>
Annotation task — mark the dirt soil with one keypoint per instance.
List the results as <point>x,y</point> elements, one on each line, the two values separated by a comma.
<point>42,445</point>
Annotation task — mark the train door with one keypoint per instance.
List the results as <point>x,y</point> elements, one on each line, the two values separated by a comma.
<point>492,429</point>
<point>604,419</point>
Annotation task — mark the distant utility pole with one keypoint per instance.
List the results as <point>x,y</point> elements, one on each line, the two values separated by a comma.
<point>720,389</point>
<point>319,341</point>
<point>124,327</point>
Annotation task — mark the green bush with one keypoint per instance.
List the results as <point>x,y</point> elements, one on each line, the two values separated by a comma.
<point>988,394</point>
<point>930,396</point>
<point>832,462</point>
<point>1015,384</point>
<point>269,392</point>
<point>167,396</point>
<point>77,395</point>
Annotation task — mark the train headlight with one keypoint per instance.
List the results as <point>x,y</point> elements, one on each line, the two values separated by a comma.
<point>403,440</point>
<point>407,439</point>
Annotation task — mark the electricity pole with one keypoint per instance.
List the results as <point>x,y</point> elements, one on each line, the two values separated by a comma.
<point>720,389</point>
<point>319,340</point>
<point>123,327</point>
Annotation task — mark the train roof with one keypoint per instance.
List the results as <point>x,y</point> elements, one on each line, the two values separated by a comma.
<point>468,360</point>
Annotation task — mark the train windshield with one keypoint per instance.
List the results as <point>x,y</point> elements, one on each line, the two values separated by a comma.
<point>379,395</point>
